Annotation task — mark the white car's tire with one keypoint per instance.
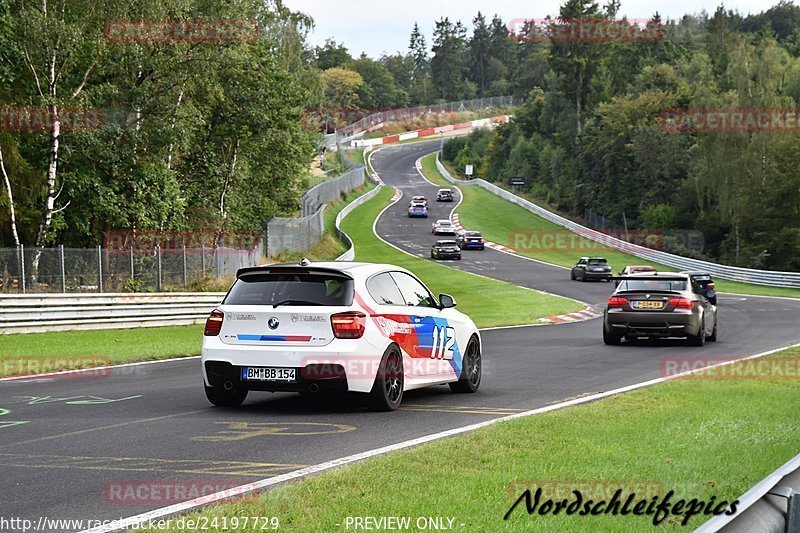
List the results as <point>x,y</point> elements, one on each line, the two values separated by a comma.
<point>471,369</point>
<point>387,391</point>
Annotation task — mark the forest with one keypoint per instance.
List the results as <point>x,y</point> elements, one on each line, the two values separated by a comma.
<point>594,134</point>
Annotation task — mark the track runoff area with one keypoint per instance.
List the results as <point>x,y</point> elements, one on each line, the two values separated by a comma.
<point>141,440</point>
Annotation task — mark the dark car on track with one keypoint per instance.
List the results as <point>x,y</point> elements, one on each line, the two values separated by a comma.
<point>418,210</point>
<point>445,250</point>
<point>470,240</point>
<point>706,282</point>
<point>589,268</point>
<point>659,305</point>
<point>444,195</point>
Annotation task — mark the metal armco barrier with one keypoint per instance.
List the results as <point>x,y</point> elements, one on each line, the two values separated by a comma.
<point>32,313</point>
<point>746,275</point>
<point>350,254</point>
<point>772,506</point>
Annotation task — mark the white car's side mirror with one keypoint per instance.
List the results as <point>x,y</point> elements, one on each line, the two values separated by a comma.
<point>447,301</point>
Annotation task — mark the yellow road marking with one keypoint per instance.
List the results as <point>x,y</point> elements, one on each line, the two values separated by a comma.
<point>248,430</point>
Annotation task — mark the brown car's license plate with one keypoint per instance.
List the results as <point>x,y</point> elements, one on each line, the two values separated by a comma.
<point>648,305</point>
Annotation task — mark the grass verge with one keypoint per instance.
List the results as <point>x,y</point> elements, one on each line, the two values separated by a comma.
<point>530,235</point>
<point>34,353</point>
<point>508,304</point>
<point>330,247</point>
<point>687,435</point>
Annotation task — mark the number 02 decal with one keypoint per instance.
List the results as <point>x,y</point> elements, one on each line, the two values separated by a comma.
<point>443,341</point>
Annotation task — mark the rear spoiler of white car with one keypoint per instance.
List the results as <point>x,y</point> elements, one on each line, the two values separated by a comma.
<point>651,277</point>
<point>290,269</point>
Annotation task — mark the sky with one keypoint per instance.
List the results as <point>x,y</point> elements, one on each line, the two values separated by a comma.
<point>385,26</point>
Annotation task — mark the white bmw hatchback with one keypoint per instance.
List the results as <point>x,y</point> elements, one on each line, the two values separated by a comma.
<point>336,326</point>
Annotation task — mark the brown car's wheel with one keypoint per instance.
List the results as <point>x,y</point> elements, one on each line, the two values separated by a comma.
<point>700,338</point>
<point>611,338</point>
<point>713,337</point>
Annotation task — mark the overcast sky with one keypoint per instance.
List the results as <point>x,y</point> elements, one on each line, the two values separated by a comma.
<point>385,26</point>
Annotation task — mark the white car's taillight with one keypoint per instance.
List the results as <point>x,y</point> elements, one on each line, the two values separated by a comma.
<point>350,325</point>
<point>214,323</point>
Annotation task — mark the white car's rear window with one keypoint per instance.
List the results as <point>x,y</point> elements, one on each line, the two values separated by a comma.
<point>314,289</point>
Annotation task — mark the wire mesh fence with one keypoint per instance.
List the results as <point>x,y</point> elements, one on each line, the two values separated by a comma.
<point>26,269</point>
<point>331,190</point>
<point>295,234</point>
<point>300,234</point>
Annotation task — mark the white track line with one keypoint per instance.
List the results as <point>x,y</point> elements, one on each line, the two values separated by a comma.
<point>256,486</point>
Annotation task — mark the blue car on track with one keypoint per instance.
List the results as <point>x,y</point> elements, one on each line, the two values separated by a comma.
<point>470,240</point>
<point>418,211</point>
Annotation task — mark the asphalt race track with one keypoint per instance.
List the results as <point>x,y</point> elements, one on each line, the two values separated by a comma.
<point>70,446</point>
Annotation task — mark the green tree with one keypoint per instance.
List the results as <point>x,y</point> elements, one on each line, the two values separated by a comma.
<point>422,66</point>
<point>479,53</point>
<point>448,65</point>
<point>332,55</point>
<point>575,61</point>
<point>341,88</point>
<point>379,90</point>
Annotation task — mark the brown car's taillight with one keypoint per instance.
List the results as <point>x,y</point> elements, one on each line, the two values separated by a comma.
<point>616,301</point>
<point>350,325</point>
<point>214,323</point>
<point>681,303</point>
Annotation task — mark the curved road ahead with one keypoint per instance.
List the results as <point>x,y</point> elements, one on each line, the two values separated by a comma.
<point>75,447</point>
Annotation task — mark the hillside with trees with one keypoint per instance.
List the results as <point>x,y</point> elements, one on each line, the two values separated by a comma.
<point>593,132</point>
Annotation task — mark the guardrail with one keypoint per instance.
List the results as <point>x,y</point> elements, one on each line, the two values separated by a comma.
<point>33,313</point>
<point>772,506</point>
<point>746,275</point>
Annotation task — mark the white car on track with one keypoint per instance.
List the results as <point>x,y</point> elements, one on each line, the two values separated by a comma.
<point>336,326</point>
<point>443,227</point>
